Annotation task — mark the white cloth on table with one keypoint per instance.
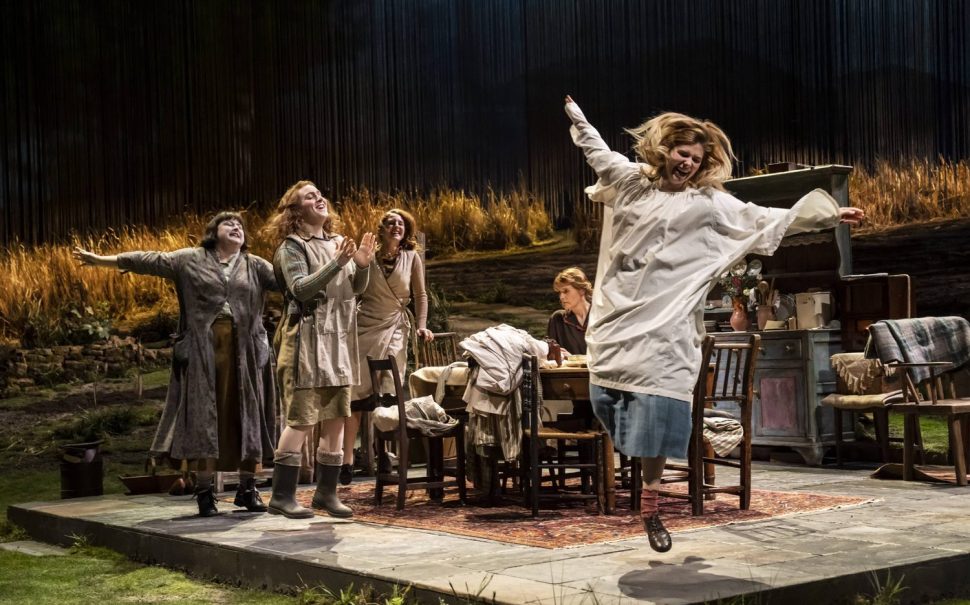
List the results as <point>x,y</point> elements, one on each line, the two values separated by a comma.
<point>434,380</point>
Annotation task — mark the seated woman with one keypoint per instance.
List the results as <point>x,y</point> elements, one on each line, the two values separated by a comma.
<point>568,325</point>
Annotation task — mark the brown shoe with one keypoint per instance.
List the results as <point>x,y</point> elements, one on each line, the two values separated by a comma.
<point>657,534</point>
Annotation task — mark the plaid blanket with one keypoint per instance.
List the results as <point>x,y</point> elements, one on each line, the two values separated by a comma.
<point>722,430</point>
<point>919,340</point>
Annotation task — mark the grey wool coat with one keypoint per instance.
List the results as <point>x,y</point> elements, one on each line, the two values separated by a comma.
<point>188,429</point>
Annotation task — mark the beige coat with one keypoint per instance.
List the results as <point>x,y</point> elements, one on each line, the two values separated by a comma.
<point>384,322</point>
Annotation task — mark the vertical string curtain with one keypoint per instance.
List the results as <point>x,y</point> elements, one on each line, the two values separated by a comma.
<point>116,112</point>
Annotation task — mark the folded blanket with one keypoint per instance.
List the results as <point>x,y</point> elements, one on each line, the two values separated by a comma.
<point>920,340</point>
<point>724,434</point>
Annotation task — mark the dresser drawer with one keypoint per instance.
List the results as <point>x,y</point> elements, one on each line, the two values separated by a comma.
<point>781,349</point>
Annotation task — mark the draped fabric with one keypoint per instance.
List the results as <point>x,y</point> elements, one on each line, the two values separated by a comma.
<point>115,112</point>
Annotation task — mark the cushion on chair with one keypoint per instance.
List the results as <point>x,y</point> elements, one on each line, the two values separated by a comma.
<point>860,402</point>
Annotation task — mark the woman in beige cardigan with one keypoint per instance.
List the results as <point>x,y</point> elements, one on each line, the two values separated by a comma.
<point>384,322</point>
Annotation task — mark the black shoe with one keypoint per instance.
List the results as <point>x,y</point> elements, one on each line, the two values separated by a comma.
<point>657,534</point>
<point>248,496</point>
<point>206,500</point>
<point>346,474</point>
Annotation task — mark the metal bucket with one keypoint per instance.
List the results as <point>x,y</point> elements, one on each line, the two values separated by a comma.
<point>82,471</point>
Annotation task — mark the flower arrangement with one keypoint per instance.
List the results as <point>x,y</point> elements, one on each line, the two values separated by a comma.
<point>741,279</point>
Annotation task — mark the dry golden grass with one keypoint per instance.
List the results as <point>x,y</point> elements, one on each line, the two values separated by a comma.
<point>44,285</point>
<point>918,191</point>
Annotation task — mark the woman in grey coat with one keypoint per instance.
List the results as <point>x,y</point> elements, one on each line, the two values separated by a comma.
<point>221,412</point>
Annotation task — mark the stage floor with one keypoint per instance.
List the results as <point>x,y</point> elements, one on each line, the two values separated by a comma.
<point>919,531</point>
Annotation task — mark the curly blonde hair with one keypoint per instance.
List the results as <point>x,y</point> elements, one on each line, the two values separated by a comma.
<point>287,218</point>
<point>573,276</point>
<point>656,137</point>
<point>410,240</point>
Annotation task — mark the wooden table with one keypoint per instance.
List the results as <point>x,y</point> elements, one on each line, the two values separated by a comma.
<point>573,384</point>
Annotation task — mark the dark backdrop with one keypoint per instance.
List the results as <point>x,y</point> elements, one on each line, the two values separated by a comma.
<point>114,112</point>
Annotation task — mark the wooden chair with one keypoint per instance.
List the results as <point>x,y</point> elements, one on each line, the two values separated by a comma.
<point>731,389</point>
<point>441,351</point>
<point>589,462</point>
<point>863,300</point>
<point>434,478</point>
<point>938,399</point>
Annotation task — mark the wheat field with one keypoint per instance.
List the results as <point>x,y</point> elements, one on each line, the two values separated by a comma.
<point>47,293</point>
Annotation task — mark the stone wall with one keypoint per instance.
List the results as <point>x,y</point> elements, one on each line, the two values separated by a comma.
<point>23,369</point>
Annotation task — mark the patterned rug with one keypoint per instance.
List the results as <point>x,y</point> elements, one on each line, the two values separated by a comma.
<point>567,525</point>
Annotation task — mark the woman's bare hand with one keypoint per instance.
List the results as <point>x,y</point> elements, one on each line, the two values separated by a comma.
<point>569,99</point>
<point>365,253</point>
<point>345,251</point>
<point>851,216</point>
<point>86,258</point>
<point>425,335</point>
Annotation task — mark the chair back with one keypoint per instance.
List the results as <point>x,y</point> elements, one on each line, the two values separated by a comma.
<point>727,379</point>
<point>376,368</point>
<point>531,400</point>
<point>441,351</point>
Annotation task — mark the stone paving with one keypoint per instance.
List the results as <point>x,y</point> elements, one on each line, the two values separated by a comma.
<point>918,531</point>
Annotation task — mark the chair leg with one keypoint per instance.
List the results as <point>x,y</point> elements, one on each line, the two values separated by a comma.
<point>379,484</point>
<point>636,483</point>
<point>584,451</point>
<point>403,464</point>
<point>599,474</point>
<point>880,418</point>
<point>957,448</point>
<point>910,427</point>
<point>745,495</point>
<point>838,435</point>
<point>696,475</point>
<point>710,474</point>
<point>436,463</point>
<point>534,477</point>
<point>460,462</point>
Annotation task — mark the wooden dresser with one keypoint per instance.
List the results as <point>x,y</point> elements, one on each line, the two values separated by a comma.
<point>794,373</point>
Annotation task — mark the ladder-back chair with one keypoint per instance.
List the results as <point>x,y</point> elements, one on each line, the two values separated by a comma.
<point>434,479</point>
<point>730,361</point>
<point>589,461</point>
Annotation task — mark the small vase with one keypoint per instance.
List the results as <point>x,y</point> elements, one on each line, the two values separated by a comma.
<point>739,317</point>
<point>765,314</point>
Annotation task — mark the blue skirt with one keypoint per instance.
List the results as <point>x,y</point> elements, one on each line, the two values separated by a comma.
<point>641,425</point>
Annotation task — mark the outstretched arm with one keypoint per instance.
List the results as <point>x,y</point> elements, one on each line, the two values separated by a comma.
<point>609,165</point>
<point>159,264</point>
<point>94,260</point>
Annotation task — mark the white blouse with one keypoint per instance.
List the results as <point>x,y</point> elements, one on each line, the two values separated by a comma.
<point>659,255</point>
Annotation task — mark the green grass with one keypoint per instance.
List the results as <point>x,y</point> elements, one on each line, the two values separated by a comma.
<point>97,575</point>
<point>934,430</point>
